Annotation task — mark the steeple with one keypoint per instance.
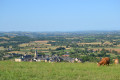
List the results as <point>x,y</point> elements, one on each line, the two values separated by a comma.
<point>35,56</point>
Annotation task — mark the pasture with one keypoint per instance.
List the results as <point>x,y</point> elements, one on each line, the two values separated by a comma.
<point>10,70</point>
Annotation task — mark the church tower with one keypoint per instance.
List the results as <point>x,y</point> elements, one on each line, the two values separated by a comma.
<point>36,55</point>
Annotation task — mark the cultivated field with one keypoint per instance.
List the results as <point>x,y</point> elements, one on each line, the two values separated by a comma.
<point>109,49</point>
<point>10,70</point>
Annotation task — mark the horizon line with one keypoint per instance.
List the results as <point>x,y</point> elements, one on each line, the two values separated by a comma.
<point>63,31</point>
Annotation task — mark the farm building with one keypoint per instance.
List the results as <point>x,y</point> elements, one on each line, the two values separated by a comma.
<point>18,59</point>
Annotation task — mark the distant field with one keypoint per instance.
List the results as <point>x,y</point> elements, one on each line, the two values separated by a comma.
<point>35,43</point>
<point>2,42</point>
<point>4,38</point>
<point>110,49</point>
<point>95,43</point>
<point>24,44</point>
<point>43,42</point>
<point>90,43</point>
<point>2,48</point>
<point>10,70</point>
<point>18,52</point>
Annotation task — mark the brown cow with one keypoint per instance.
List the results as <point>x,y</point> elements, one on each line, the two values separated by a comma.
<point>104,61</point>
<point>116,61</point>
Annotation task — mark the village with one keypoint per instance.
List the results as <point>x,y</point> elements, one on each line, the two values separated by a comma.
<point>47,58</point>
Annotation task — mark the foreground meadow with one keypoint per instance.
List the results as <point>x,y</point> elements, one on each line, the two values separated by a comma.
<point>10,70</point>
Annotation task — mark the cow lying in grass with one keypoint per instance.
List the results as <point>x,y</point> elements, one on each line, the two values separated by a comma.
<point>116,61</point>
<point>104,61</point>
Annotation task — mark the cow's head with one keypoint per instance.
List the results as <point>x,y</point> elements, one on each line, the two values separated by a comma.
<point>98,64</point>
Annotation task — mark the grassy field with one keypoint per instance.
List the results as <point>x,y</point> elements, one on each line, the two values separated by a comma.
<point>10,70</point>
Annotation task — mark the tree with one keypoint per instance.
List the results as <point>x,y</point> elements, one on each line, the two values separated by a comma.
<point>60,48</point>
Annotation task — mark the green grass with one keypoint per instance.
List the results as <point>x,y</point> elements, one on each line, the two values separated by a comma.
<point>10,70</point>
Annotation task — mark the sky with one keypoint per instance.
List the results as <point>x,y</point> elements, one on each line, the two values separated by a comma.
<point>59,15</point>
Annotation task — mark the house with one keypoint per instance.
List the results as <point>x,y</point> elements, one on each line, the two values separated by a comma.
<point>66,55</point>
<point>72,60</point>
<point>27,58</point>
<point>16,55</point>
<point>56,58</point>
<point>6,56</point>
<point>78,60</point>
<point>68,59</point>
<point>41,59</point>
<point>18,59</point>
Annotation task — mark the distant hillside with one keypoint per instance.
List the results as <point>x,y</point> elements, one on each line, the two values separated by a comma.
<point>45,34</point>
